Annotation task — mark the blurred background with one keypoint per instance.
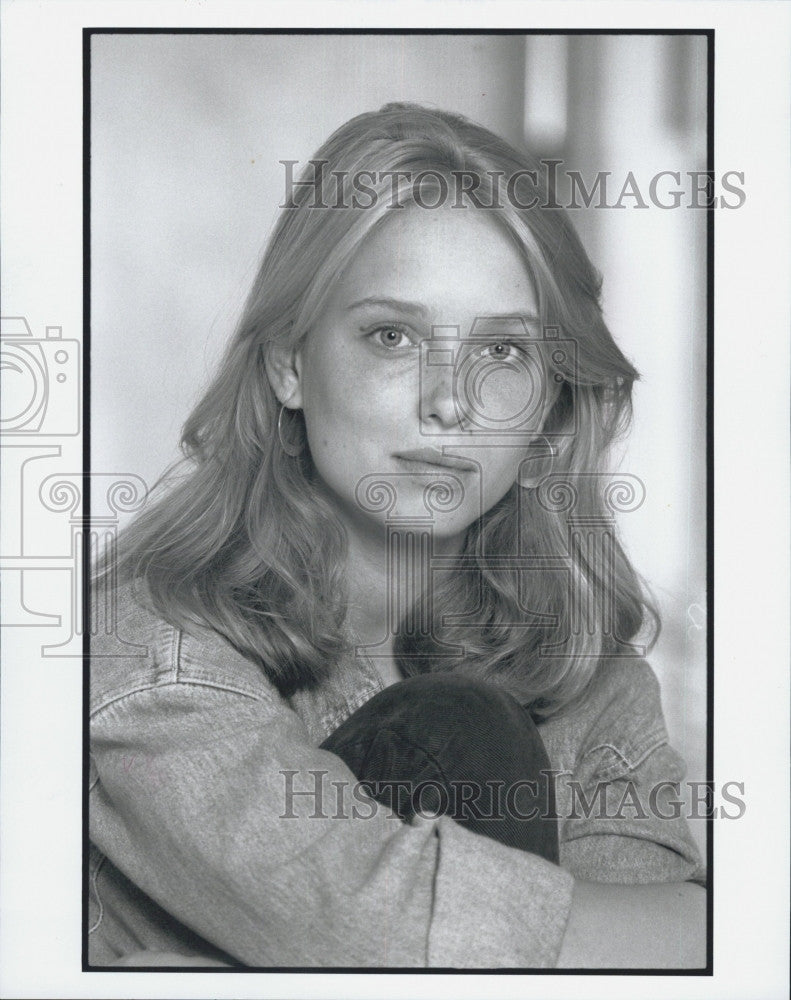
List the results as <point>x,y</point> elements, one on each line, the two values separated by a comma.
<point>187,134</point>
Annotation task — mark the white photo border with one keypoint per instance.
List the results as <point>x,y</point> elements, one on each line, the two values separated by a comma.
<point>42,235</point>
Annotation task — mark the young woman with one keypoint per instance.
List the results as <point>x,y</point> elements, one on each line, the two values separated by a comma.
<point>389,708</point>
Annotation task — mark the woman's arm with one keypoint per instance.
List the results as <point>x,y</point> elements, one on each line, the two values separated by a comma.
<point>191,803</point>
<point>163,959</point>
<point>635,926</point>
<point>624,835</point>
<point>217,806</point>
<point>194,767</point>
<point>610,926</point>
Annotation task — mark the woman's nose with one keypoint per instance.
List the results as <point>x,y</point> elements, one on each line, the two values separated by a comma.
<point>439,405</point>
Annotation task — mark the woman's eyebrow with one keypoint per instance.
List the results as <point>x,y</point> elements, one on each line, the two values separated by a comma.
<point>526,315</point>
<point>519,315</point>
<point>505,324</point>
<point>389,303</point>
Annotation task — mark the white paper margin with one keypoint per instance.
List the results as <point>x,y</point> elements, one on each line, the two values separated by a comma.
<point>41,701</point>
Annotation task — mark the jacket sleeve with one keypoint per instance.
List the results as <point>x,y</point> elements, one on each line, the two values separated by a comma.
<point>218,806</point>
<point>623,806</point>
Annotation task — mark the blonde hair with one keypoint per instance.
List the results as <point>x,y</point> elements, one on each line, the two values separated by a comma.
<point>244,540</point>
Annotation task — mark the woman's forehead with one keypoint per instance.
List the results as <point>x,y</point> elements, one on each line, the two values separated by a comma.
<point>440,258</point>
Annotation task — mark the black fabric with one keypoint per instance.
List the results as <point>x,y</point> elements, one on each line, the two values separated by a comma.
<point>443,743</point>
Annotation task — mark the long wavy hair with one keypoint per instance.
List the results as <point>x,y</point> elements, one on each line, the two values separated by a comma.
<point>243,539</point>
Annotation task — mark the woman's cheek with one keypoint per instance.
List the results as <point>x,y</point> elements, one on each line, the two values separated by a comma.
<point>498,480</point>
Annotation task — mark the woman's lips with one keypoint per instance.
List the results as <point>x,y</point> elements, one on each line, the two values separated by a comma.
<point>435,458</point>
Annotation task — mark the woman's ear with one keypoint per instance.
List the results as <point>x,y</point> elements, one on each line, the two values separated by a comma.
<point>547,452</point>
<point>284,370</point>
<point>537,463</point>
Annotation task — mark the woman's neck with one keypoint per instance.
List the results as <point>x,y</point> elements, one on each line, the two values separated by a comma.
<point>386,573</point>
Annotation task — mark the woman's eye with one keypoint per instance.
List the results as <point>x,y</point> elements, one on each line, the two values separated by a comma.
<point>500,349</point>
<point>390,336</point>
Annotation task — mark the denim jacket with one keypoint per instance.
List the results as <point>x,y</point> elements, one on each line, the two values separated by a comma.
<point>195,849</point>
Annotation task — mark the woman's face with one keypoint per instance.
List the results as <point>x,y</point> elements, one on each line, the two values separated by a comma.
<point>420,372</point>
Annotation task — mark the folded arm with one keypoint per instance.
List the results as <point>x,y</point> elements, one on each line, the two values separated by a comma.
<point>190,801</point>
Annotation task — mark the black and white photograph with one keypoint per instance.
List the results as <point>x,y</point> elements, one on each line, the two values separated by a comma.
<point>366,503</point>
<point>392,693</point>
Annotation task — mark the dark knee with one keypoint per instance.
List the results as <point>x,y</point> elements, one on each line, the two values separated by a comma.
<point>461,693</point>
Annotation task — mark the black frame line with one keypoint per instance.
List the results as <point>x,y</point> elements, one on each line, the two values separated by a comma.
<point>87,34</point>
